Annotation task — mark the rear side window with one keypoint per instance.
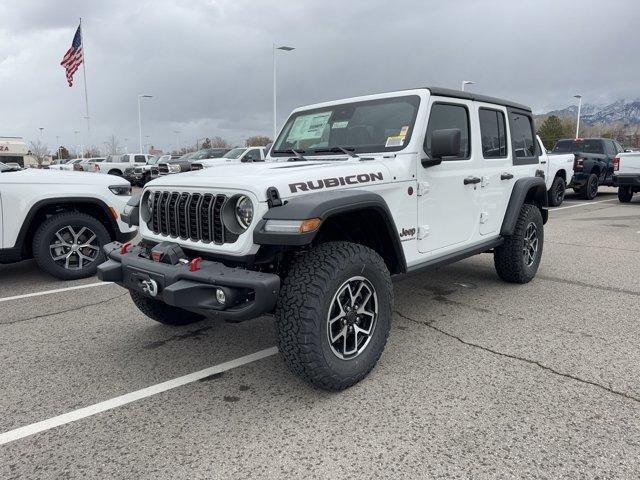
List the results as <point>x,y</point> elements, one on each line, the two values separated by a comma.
<point>493,132</point>
<point>140,158</point>
<point>444,116</point>
<point>522,139</point>
<point>609,147</point>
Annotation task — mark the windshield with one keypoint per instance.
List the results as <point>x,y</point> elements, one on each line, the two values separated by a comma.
<point>234,153</point>
<point>572,146</point>
<point>380,125</point>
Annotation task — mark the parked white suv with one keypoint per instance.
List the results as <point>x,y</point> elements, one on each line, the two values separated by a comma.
<point>353,193</point>
<point>63,219</point>
<point>117,164</point>
<point>235,155</point>
<point>626,175</point>
<point>558,171</point>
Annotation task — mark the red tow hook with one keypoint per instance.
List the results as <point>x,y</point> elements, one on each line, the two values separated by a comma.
<point>194,265</point>
<point>125,248</point>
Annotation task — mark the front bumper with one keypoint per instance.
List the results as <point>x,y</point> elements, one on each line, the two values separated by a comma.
<point>249,294</point>
<point>627,180</point>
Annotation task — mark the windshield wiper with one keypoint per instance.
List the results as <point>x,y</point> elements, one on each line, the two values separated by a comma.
<point>348,150</point>
<point>297,153</point>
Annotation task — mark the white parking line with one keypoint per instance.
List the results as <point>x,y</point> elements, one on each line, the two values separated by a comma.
<point>582,205</point>
<point>57,290</point>
<point>115,402</point>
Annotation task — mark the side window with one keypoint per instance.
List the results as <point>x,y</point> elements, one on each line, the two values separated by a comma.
<point>609,148</point>
<point>253,155</point>
<point>140,158</point>
<point>493,132</point>
<point>522,139</point>
<point>447,115</point>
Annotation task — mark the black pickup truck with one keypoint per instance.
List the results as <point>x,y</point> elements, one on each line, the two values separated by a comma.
<point>592,165</point>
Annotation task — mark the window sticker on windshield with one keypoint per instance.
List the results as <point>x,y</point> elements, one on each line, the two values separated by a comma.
<point>308,126</point>
<point>342,124</point>
<point>396,141</point>
<point>404,130</point>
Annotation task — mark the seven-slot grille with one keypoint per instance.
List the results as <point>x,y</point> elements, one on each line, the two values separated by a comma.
<point>193,216</point>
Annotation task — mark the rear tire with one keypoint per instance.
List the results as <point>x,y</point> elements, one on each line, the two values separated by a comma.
<point>557,191</point>
<point>161,312</point>
<point>69,245</point>
<point>334,314</point>
<point>625,194</point>
<point>590,189</point>
<point>518,258</point>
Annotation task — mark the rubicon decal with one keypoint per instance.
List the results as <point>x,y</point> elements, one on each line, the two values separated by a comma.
<point>334,182</point>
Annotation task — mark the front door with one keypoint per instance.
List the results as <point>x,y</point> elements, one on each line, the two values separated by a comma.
<point>448,193</point>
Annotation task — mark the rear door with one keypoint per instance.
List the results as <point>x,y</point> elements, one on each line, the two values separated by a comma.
<point>448,208</point>
<point>496,174</point>
<point>504,164</point>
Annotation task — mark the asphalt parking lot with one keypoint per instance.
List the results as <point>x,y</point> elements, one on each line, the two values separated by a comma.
<point>480,379</point>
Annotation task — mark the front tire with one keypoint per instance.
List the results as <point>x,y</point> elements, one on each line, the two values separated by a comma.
<point>590,189</point>
<point>69,245</point>
<point>518,258</point>
<point>161,312</point>
<point>334,314</point>
<point>625,194</point>
<point>556,192</point>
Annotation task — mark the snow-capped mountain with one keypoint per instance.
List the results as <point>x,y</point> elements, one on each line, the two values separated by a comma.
<point>625,112</point>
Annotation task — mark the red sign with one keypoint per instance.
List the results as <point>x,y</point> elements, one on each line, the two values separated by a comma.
<point>4,148</point>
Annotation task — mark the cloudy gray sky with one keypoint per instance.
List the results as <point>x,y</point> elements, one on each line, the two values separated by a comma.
<point>208,62</point>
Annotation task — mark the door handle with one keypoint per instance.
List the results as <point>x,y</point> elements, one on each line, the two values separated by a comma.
<point>506,176</point>
<point>469,180</point>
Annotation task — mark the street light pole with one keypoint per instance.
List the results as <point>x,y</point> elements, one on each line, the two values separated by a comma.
<point>465,83</point>
<point>140,117</point>
<point>58,145</point>
<point>177,132</point>
<point>275,120</point>
<point>579,97</point>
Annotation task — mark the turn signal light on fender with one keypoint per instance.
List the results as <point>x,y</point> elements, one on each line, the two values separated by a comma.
<point>309,225</point>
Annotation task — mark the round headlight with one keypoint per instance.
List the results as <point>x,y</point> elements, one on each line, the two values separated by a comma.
<point>244,211</point>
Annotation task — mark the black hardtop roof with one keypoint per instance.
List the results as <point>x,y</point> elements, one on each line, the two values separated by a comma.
<point>447,92</point>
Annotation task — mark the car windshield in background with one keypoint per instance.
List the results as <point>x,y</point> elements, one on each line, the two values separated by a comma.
<point>4,167</point>
<point>234,153</point>
<point>573,146</point>
<point>380,125</point>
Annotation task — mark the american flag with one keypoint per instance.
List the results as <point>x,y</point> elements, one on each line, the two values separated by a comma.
<point>73,58</point>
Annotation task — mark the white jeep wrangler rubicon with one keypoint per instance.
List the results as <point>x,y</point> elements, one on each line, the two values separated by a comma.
<point>62,219</point>
<point>353,193</point>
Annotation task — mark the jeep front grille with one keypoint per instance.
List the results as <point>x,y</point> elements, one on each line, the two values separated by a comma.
<point>190,216</point>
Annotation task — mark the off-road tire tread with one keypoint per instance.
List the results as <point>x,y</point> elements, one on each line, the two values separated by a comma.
<point>507,257</point>
<point>40,243</point>
<point>161,312</point>
<point>299,309</point>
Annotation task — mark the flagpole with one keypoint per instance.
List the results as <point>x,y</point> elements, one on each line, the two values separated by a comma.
<point>84,73</point>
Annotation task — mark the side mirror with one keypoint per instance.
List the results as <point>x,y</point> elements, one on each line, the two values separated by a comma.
<point>444,143</point>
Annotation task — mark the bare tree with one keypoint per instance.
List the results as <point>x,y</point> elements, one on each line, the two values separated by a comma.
<point>39,150</point>
<point>219,142</point>
<point>257,141</point>
<point>112,145</point>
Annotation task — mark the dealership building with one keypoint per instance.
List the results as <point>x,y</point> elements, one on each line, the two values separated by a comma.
<point>13,149</point>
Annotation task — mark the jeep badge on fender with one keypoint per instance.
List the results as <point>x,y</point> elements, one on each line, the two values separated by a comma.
<point>320,258</point>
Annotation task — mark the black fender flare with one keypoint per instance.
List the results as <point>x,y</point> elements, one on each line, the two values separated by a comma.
<point>324,205</point>
<point>530,190</point>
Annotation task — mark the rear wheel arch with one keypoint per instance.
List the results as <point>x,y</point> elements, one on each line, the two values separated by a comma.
<point>531,190</point>
<point>115,171</point>
<point>562,174</point>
